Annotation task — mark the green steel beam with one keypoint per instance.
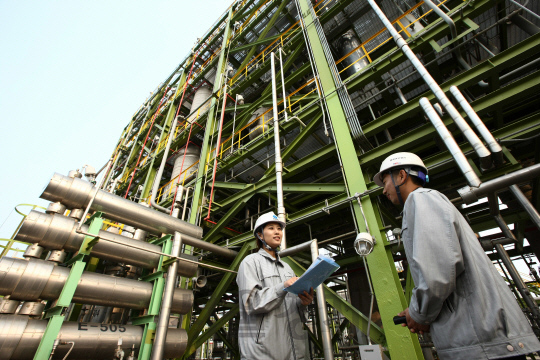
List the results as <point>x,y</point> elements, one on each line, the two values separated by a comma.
<point>262,35</point>
<point>435,31</point>
<point>230,185</point>
<point>495,65</point>
<point>197,192</point>
<point>295,144</point>
<point>255,43</point>
<point>505,96</point>
<point>314,339</point>
<point>56,313</point>
<point>347,310</point>
<point>401,343</point>
<point>342,327</point>
<point>305,188</point>
<point>231,213</point>
<point>296,167</point>
<point>222,336</point>
<point>149,320</point>
<point>243,11</point>
<point>198,325</point>
<point>211,331</point>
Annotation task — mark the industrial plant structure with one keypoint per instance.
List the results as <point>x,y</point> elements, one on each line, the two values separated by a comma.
<point>287,106</point>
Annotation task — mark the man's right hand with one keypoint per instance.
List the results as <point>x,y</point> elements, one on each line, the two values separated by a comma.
<point>413,325</point>
<point>290,281</point>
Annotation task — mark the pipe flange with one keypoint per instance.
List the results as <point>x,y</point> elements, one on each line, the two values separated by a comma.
<point>33,251</point>
<point>57,256</point>
<point>32,308</point>
<point>467,194</point>
<point>8,306</point>
<point>76,214</point>
<point>56,208</point>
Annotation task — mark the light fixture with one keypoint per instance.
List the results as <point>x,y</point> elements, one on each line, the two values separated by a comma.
<point>364,244</point>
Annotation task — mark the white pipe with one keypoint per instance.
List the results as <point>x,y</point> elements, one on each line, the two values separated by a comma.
<point>279,164</point>
<point>494,146</point>
<point>450,143</point>
<point>323,315</point>
<point>155,186</point>
<point>480,149</point>
<point>165,313</point>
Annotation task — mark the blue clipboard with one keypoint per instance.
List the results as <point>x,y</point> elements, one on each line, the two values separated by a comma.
<point>314,276</point>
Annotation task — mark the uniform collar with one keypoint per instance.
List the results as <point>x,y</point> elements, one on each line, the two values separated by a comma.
<point>268,256</point>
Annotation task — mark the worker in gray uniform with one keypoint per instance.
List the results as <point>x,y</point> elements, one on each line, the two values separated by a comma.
<point>459,297</point>
<point>271,319</point>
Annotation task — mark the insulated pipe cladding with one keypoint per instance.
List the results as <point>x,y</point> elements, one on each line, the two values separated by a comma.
<point>77,193</point>
<point>38,279</point>
<point>58,232</point>
<point>20,337</point>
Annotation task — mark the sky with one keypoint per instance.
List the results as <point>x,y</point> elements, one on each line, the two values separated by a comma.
<point>72,73</point>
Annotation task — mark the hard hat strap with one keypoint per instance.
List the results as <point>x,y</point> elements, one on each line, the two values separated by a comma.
<point>268,247</point>
<point>398,186</point>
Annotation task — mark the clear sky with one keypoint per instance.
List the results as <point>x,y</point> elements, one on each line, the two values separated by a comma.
<point>72,73</point>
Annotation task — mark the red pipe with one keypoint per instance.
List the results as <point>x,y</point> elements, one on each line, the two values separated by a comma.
<point>228,228</point>
<point>217,150</point>
<point>145,140</point>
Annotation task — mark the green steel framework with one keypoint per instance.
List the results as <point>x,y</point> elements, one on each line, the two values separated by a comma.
<point>239,35</point>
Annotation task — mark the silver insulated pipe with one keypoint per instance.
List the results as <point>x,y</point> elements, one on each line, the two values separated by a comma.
<point>479,147</point>
<point>77,193</point>
<point>33,279</point>
<point>20,337</point>
<point>57,232</point>
<point>278,161</point>
<point>450,143</point>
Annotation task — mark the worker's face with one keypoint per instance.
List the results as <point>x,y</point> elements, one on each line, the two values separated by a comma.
<point>389,189</point>
<point>272,234</point>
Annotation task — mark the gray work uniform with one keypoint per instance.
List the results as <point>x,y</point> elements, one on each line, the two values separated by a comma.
<point>271,319</point>
<point>458,292</point>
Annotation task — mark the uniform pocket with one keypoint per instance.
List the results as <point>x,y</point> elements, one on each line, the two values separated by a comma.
<point>259,332</point>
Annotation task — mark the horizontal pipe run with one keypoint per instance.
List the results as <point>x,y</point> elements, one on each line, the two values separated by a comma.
<point>38,279</point>
<point>470,195</point>
<point>450,143</point>
<point>293,250</point>
<point>20,337</point>
<point>77,193</point>
<point>170,256</point>
<point>58,232</point>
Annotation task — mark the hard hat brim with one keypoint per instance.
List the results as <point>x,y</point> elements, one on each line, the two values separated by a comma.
<point>377,179</point>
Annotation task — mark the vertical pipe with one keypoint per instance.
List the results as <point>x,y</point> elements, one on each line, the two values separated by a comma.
<point>218,145</point>
<point>283,86</point>
<point>480,149</point>
<point>279,164</point>
<point>518,281</point>
<point>526,204</point>
<point>323,316</point>
<point>165,313</point>
<point>494,146</point>
<point>450,143</point>
<point>185,203</point>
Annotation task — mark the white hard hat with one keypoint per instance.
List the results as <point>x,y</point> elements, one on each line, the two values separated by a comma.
<point>264,219</point>
<point>399,160</point>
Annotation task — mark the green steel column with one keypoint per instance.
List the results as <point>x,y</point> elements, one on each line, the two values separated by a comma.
<point>56,313</point>
<point>401,343</point>
<point>222,62</point>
